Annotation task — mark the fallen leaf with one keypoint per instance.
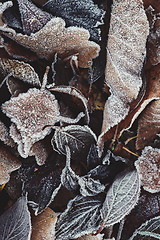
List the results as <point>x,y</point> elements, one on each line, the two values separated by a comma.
<point>121,197</point>
<point>148,167</point>
<point>150,228</point>
<point>21,70</point>
<point>81,217</point>
<point>78,138</point>
<point>55,38</point>
<point>91,237</point>
<point>4,135</point>
<point>43,225</point>
<point>16,222</point>
<point>128,33</point>
<point>149,119</point>
<point>84,14</point>
<point>32,17</point>
<point>8,164</point>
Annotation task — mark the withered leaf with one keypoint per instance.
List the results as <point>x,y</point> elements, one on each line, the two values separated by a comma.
<point>32,17</point>
<point>150,228</point>
<point>84,14</point>
<point>149,119</point>
<point>8,164</point>
<point>55,38</point>
<point>81,217</point>
<point>4,135</point>
<point>43,225</point>
<point>148,167</point>
<point>91,237</point>
<point>121,197</point>
<point>31,112</point>
<point>128,33</point>
<point>16,222</point>
<point>21,70</point>
<point>78,138</point>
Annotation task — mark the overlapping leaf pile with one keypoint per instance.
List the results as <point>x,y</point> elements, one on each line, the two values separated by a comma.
<point>80,119</point>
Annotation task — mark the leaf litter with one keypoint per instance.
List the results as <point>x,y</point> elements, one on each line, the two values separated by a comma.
<point>49,151</point>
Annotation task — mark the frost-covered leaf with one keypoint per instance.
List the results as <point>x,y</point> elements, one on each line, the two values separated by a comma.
<point>21,70</point>
<point>148,167</point>
<point>81,217</point>
<point>32,17</point>
<point>87,185</point>
<point>121,197</point>
<point>55,38</point>
<point>93,159</point>
<point>16,222</point>
<point>149,119</point>
<point>43,225</point>
<point>91,237</point>
<point>84,14</point>
<point>31,112</point>
<point>128,33</point>
<point>78,138</point>
<point>150,228</point>
<point>4,135</point>
<point>8,164</point>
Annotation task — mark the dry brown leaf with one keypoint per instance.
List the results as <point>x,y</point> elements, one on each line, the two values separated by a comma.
<point>55,38</point>
<point>8,164</point>
<point>43,225</point>
<point>148,167</point>
<point>15,86</point>
<point>128,33</point>
<point>154,3</point>
<point>21,70</point>
<point>148,125</point>
<point>4,135</point>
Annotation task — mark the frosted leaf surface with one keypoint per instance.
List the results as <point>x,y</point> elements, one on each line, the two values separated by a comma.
<point>55,38</point>
<point>43,225</point>
<point>148,230</point>
<point>149,119</point>
<point>16,222</point>
<point>21,70</point>
<point>77,137</point>
<point>84,14</point>
<point>121,197</point>
<point>4,135</point>
<point>40,152</point>
<point>81,217</point>
<point>31,112</point>
<point>91,237</point>
<point>126,51</point>
<point>148,167</point>
<point>8,164</point>
<point>32,17</point>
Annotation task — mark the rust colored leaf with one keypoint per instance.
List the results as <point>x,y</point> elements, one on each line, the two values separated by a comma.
<point>32,17</point>
<point>148,167</point>
<point>55,38</point>
<point>43,225</point>
<point>148,125</point>
<point>8,164</point>
<point>128,33</point>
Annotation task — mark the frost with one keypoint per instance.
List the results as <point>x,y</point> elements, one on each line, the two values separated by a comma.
<point>4,135</point>
<point>121,197</point>
<point>148,168</point>
<point>82,13</point>
<point>81,217</point>
<point>8,164</point>
<point>128,33</point>
<point>91,237</point>
<point>21,70</point>
<point>32,17</point>
<point>16,222</point>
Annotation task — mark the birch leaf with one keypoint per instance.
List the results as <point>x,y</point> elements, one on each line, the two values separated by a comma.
<point>78,138</point>
<point>126,51</point>
<point>84,14</point>
<point>150,228</point>
<point>149,119</point>
<point>55,38</point>
<point>81,217</point>
<point>21,70</point>
<point>16,222</point>
<point>148,167</point>
<point>121,197</point>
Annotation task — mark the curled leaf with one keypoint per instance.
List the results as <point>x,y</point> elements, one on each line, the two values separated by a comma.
<point>148,167</point>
